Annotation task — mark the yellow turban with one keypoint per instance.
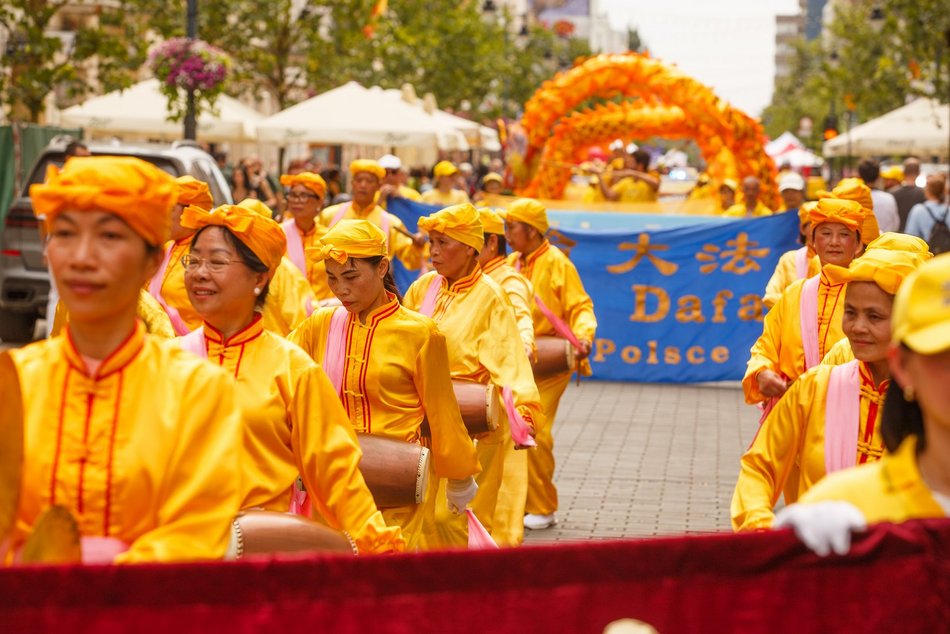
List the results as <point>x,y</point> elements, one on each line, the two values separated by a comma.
<point>845,212</point>
<point>136,191</point>
<point>313,182</point>
<point>901,242</point>
<point>921,315</point>
<point>886,268</point>
<point>264,237</point>
<point>192,191</point>
<point>459,222</point>
<point>804,210</point>
<point>350,239</point>
<point>491,221</point>
<point>529,211</point>
<point>855,189</point>
<point>257,206</point>
<point>369,166</point>
<point>444,168</point>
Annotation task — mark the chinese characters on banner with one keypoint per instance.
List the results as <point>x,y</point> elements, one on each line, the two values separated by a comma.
<point>672,305</point>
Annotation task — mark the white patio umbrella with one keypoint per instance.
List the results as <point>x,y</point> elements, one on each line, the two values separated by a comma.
<point>352,114</point>
<point>920,127</point>
<point>142,111</point>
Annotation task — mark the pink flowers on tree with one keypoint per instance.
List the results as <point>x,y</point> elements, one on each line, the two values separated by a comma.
<point>181,65</point>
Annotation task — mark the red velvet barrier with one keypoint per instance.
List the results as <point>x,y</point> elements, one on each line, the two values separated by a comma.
<point>897,578</point>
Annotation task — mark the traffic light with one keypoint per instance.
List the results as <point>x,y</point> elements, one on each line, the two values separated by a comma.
<point>831,127</point>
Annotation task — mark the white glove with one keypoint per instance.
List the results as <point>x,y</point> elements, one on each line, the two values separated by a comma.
<point>459,493</point>
<point>823,526</point>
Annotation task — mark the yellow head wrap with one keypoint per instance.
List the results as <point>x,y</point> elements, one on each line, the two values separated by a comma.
<point>804,210</point>
<point>136,191</point>
<point>920,318</point>
<point>258,207</point>
<point>528,211</point>
<point>350,239</point>
<point>901,242</point>
<point>491,221</point>
<point>845,212</point>
<point>731,183</point>
<point>192,191</point>
<point>264,237</point>
<point>492,177</point>
<point>886,268</point>
<point>894,173</point>
<point>855,189</point>
<point>459,222</point>
<point>313,182</point>
<point>444,168</point>
<point>367,165</point>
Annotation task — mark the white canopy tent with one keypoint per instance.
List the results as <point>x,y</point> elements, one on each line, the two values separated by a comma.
<point>141,111</point>
<point>785,142</point>
<point>921,127</point>
<point>476,135</point>
<point>787,149</point>
<point>353,115</point>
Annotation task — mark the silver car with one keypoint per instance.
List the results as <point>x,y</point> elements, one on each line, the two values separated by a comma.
<point>24,278</point>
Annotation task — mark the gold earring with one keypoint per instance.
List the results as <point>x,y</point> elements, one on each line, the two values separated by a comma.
<point>909,394</point>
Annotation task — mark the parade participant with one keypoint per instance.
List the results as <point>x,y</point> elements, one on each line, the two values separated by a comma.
<point>304,203</point>
<point>492,185</point>
<point>806,321</point>
<point>797,264</point>
<point>751,206</point>
<point>633,183</point>
<point>508,522</point>
<point>704,188</point>
<point>366,176</point>
<point>445,193</point>
<point>855,189</point>
<point>791,187</point>
<point>394,183</point>
<point>138,441</point>
<point>561,308</point>
<point>484,346</point>
<point>391,368</point>
<point>293,423</point>
<point>911,481</point>
<point>829,419</point>
<point>727,194</point>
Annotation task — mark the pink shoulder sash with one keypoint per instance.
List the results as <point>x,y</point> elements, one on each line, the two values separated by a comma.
<point>801,263</point>
<point>334,352</point>
<point>808,314</point>
<point>295,249</point>
<point>194,342</point>
<point>842,414</point>
<point>478,537</point>
<point>432,294</point>
<point>560,326</point>
<point>155,290</point>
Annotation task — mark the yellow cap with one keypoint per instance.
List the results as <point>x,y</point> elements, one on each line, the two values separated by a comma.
<point>444,168</point>
<point>491,221</point>
<point>369,166</point>
<point>921,315</point>
<point>459,222</point>
<point>192,191</point>
<point>136,191</point>
<point>350,239</point>
<point>313,182</point>
<point>886,268</point>
<point>264,237</point>
<point>528,211</point>
<point>730,183</point>
<point>492,177</point>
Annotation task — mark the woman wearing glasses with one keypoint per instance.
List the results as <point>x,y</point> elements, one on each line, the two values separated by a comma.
<point>304,203</point>
<point>293,422</point>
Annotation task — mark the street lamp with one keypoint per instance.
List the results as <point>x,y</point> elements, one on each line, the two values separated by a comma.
<point>191,31</point>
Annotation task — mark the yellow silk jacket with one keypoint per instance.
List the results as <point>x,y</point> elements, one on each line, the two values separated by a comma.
<point>520,294</point>
<point>786,273</point>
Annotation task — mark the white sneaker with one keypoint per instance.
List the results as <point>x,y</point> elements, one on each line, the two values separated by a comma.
<point>539,522</point>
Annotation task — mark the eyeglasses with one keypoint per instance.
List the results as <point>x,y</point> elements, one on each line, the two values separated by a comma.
<point>301,196</point>
<point>215,264</point>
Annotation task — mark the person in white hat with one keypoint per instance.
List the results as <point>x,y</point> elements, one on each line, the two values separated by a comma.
<point>394,183</point>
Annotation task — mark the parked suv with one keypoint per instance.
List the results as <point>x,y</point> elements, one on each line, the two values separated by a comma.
<point>24,278</point>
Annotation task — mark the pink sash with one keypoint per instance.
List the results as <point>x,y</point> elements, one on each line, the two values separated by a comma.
<point>801,263</point>
<point>294,245</point>
<point>334,352</point>
<point>194,342</point>
<point>432,294</point>
<point>155,290</point>
<point>560,326</point>
<point>101,550</point>
<point>478,537</point>
<point>520,432</point>
<point>345,208</point>
<point>808,314</point>
<point>842,413</point>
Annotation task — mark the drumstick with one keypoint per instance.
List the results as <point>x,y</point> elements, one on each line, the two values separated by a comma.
<point>404,231</point>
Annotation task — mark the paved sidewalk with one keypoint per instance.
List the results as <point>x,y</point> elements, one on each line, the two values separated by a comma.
<point>635,460</point>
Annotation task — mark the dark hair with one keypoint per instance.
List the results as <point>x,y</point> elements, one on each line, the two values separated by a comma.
<point>642,157</point>
<point>72,146</point>
<point>250,260</point>
<point>900,418</point>
<point>389,282</point>
<point>502,243</point>
<point>869,170</point>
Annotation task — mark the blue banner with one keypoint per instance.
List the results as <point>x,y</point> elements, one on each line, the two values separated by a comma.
<point>673,305</point>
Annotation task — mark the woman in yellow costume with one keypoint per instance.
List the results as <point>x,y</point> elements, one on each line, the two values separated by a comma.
<point>829,419</point>
<point>911,481</point>
<point>304,203</point>
<point>139,441</point>
<point>484,346</point>
<point>445,193</point>
<point>559,296</point>
<point>797,264</point>
<point>508,522</point>
<point>293,424</point>
<point>389,365</point>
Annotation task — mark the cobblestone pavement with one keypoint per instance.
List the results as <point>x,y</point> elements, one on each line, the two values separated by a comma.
<point>636,460</point>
